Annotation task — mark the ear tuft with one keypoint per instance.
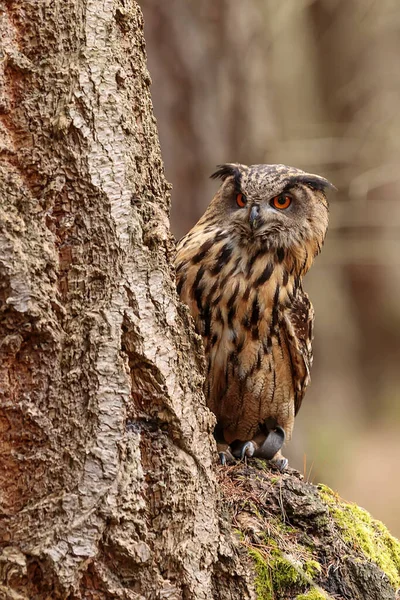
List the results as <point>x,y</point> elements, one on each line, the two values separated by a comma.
<point>315,182</point>
<point>227,170</point>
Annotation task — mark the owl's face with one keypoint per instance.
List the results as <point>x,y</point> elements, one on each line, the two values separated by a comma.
<point>271,205</point>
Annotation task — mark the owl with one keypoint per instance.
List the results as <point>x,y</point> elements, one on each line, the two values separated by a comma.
<point>240,272</point>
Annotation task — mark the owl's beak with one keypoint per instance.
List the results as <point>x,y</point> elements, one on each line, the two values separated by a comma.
<point>254,216</point>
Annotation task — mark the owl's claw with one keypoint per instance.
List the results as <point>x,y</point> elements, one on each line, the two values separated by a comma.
<point>280,462</point>
<point>243,450</point>
<point>268,449</point>
<point>225,455</point>
<point>265,446</point>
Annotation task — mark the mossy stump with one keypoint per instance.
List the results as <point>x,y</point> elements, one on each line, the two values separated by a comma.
<point>305,542</point>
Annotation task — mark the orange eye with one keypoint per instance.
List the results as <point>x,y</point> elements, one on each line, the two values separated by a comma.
<point>283,201</point>
<point>241,200</point>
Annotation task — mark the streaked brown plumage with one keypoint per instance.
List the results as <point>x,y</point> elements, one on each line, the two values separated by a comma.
<point>240,271</point>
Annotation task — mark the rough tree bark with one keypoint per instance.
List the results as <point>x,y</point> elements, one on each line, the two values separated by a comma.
<point>106,454</point>
<point>108,486</point>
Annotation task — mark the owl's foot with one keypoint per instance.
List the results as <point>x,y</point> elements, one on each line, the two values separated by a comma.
<point>263,446</point>
<point>225,454</point>
<point>279,462</point>
<point>272,444</point>
<point>266,447</point>
<point>243,449</point>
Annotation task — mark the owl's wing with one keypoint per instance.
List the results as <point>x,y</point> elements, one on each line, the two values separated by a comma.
<point>298,329</point>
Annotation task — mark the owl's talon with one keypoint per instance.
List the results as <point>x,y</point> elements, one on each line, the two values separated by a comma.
<point>280,463</point>
<point>225,456</point>
<point>247,449</point>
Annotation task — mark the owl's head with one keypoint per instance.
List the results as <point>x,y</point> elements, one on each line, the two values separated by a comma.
<point>273,205</point>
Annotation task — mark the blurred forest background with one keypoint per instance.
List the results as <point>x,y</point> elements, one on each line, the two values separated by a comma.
<point>314,84</point>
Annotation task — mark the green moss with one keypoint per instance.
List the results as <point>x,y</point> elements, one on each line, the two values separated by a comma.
<point>278,574</point>
<point>263,582</point>
<point>365,534</point>
<point>261,464</point>
<point>313,594</point>
<point>312,568</point>
<point>269,541</point>
<point>239,534</point>
<point>286,528</point>
<point>284,575</point>
<point>328,495</point>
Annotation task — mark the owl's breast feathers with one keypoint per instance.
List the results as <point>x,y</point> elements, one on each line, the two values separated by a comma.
<point>256,324</point>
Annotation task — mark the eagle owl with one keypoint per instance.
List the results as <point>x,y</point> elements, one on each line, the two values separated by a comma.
<point>240,272</point>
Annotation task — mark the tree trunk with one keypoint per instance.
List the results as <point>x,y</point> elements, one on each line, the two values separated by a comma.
<point>108,488</point>
<point>106,452</point>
